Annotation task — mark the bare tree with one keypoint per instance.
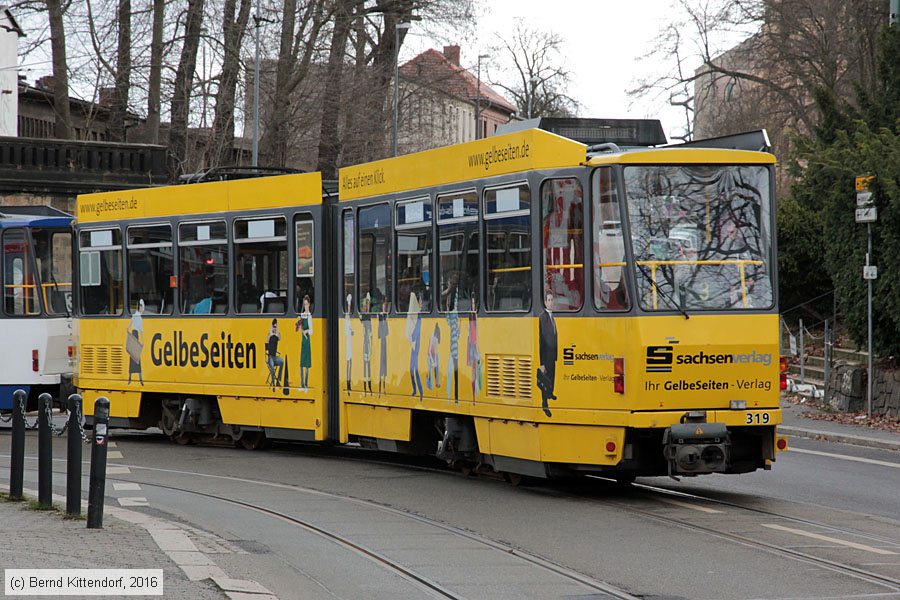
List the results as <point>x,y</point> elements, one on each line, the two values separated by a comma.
<point>791,50</point>
<point>531,72</point>
<point>63,128</point>
<point>154,88</point>
<point>181,96</point>
<point>234,27</point>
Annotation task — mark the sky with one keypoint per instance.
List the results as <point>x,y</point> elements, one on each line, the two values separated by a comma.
<point>604,40</point>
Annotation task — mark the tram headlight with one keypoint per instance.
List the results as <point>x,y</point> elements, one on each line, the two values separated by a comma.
<point>738,405</point>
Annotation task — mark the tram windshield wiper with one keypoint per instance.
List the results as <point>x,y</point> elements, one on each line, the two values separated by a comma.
<point>679,306</point>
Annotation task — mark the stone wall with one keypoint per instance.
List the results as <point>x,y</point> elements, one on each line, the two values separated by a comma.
<point>847,389</point>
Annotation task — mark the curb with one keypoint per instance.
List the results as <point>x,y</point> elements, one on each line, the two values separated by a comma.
<point>830,436</point>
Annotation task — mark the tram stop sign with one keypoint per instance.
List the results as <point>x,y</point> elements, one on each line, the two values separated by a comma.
<point>866,212</point>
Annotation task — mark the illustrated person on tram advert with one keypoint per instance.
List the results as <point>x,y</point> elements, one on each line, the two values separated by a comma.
<point>348,333</point>
<point>365,317</point>
<point>134,342</point>
<point>382,335</point>
<point>546,375</point>
<point>272,358</point>
<point>305,326</point>
<point>413,334</point>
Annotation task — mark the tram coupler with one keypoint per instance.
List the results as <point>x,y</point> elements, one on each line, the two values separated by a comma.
<point>697,448</point>
<point>97,483</point>
<point>45,450</point>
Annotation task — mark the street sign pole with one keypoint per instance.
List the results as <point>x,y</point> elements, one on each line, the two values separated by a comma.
<point>867,213</point>
<point>869,304</point>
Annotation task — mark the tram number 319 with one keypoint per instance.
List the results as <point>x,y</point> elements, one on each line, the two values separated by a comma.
<point>757,418</point>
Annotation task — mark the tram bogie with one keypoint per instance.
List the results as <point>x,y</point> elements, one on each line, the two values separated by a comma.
<point>509,304</point>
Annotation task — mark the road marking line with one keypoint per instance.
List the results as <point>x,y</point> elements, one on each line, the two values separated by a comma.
<point>125,486</point>
<point>689,505</point>
<point>117,470</point>
<point>133,501</point>
<point>870,461</point>
<point>826,538</point>
<point>112,445</point>
<point>114,454</point>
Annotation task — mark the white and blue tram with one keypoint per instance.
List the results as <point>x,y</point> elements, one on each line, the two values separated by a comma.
<point>36,352</point>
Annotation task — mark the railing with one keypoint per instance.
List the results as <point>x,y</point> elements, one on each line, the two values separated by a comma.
<point>35,164</point>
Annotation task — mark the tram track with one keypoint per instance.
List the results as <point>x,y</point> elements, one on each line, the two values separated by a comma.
<point>434,588</point>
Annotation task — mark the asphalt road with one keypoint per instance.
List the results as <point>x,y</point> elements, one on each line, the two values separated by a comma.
<point>788,533</point>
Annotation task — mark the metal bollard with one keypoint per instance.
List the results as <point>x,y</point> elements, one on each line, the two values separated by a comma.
<point>73,457</point>
<point>97,485</point>
<point>17,453</point>
<point>45,451</point>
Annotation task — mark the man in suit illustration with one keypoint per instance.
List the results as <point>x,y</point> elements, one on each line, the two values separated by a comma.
<point>546,375</point>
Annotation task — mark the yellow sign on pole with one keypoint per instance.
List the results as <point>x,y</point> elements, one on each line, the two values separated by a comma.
<point>863,182</point>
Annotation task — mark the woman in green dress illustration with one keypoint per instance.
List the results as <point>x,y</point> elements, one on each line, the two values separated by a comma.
<point>305,326</point>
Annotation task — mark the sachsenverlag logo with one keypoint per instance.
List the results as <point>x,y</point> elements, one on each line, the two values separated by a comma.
<point>661,358</point>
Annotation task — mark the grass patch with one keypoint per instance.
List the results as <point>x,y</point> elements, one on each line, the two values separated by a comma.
<point>35,505</point>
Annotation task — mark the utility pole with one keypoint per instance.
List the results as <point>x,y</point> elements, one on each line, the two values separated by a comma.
<point>397,29</point>
<point>478,98</point>
<point>255,158</point>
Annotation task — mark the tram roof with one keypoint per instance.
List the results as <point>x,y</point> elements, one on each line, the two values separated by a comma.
<point>681,156</point>
<point>497,155</point>
<point>202,198</point>
<point>33,216</point>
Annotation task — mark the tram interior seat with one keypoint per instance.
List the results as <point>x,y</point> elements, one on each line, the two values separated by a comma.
<point>274,305</point>
<point>248,307</point>
<point>219,309</point>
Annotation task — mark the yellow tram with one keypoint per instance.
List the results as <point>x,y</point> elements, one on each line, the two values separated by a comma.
<point>520,303</point>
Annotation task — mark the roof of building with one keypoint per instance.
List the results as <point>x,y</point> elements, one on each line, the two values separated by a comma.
<point>434,69</point>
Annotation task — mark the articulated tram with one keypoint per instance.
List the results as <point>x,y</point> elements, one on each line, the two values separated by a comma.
<point>36,316</point>
<point>522,303</point>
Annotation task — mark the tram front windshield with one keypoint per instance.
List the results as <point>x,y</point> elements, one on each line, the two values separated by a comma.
<point>701,236</point>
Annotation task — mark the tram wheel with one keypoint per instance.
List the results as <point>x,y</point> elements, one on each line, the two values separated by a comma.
<point>182,439</point>
<point>514,479</point>
<point>252,440</point>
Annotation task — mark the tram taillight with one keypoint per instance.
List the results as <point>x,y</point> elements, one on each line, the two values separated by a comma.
<point>35,363</point>
<point>619,378</point>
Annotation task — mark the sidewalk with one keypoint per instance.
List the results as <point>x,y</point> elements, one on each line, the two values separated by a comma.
<point>797,425</point>
<point>45,540</point>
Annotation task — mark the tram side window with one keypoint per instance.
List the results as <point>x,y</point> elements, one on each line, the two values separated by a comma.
<point>507,227</point>
<point>203,268</point>
<point>375,246</point>
<point>562,211</point>
<point>100,272</point>
<point>260,265</point>
<point>414,241</point>
<point>304,254</point>
<point>349,256</point>
<point>458,252</point>
<point>19,279</point>
<point>150,269</point>
<point>53,254</point>
<point>610,291</point>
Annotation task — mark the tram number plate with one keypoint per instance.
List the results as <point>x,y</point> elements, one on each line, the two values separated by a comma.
<point>757,418</point>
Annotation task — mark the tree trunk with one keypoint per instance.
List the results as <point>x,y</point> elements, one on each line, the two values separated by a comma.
<point>154,87</point>
<point>119,108</point>
<point>329,136</point>
<point>63,126</point>
<point>273,145</point>
<point>181,95</point>
<point>219,152</point>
